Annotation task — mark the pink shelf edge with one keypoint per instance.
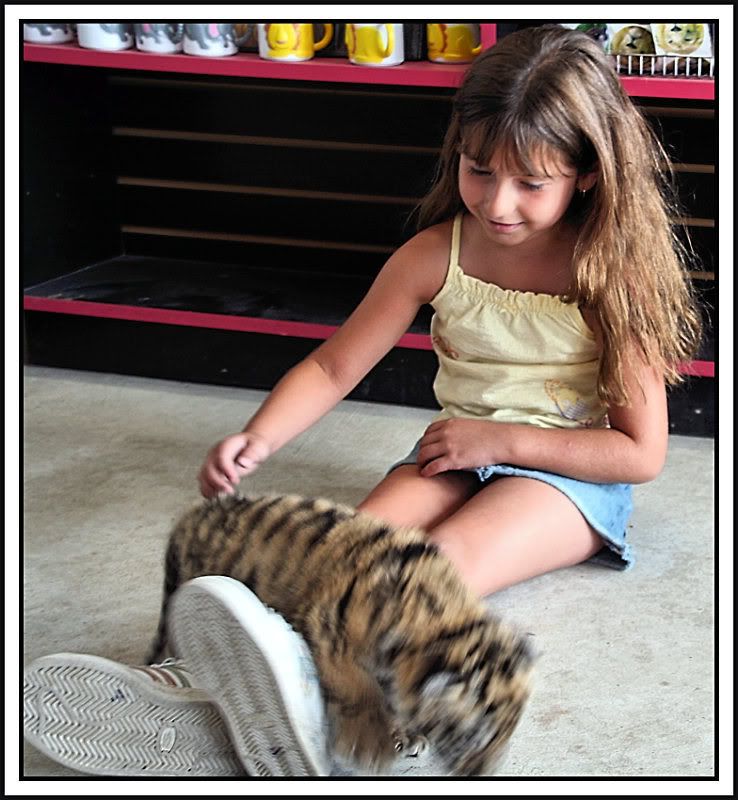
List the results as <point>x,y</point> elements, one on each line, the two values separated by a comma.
<point>273,327</point>
<point>410,73</point>
<point>241,65</point>
<point>689,88</point>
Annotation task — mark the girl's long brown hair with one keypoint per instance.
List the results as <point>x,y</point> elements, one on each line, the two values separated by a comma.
<point>552,91</point>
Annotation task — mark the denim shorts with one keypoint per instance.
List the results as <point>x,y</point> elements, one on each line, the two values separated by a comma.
<point>605,506</point>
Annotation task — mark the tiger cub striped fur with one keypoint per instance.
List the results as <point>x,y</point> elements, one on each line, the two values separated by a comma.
<point>403,649</point>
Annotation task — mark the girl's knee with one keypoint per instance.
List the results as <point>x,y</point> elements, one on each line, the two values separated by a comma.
<point>404,497</point>
<point>455,548</point>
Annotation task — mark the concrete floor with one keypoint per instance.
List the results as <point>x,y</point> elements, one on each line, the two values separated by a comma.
<point>625,677</point>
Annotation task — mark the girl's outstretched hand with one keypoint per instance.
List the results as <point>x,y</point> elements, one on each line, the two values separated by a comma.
<point>229,460</point>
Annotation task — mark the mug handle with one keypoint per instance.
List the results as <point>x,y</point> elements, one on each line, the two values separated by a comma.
<point>475,51</point>
<point>327,36</point>
<point>245,36</point>
<point>350,39</point>
<point>390,40</point>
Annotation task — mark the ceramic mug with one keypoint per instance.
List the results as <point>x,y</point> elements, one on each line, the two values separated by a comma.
<point>153,37</point>
<point>453,43</point>
<point>102,36</point>
<point>290,41</point>
<point>48,32</point>
<point>375,45</point>
<point>212,39</point>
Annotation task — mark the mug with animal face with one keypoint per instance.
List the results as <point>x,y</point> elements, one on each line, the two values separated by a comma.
<point>48,32</point>
<point>153,37</point>
<point>375,45</point>
<point>632,40</point>
<point>212,39</point>
<point>291,41</point>
<point>99,36</point>
<point>681,38</point>
<point>453,43</point>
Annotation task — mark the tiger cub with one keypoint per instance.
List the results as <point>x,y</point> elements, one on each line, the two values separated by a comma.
<point>403,650</point>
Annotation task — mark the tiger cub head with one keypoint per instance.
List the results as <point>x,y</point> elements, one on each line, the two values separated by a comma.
<point>471,694</point>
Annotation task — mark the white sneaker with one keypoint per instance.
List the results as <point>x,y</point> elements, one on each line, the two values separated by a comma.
<point>105,718</point>
<point>258,671</point>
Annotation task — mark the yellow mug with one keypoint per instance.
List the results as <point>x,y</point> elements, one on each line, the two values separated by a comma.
<point>290,41</point>
<point>453,43</point>
<point>375,45</point>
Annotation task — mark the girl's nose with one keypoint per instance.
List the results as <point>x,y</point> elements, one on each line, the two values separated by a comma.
<point>499,202</point>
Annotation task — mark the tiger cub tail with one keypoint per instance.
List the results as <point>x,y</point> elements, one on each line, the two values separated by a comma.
<point>171,581</point>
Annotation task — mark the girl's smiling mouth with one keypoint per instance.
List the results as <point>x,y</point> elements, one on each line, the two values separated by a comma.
<point>503,227</point>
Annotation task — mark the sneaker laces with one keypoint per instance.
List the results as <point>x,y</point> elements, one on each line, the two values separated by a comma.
<point>170,672</point>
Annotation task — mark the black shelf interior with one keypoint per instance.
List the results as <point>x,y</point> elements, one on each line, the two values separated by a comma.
<point>216,288</point>
<point>261,292</point>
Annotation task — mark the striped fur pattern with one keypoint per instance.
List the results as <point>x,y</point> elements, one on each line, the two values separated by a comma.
<point>405,653</point>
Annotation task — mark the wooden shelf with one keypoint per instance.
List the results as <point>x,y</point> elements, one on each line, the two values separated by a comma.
<point>676,88</point>
<point>338,70</point>
<point>244,324</point>
<point>249,65</point>
<point>221,297</point>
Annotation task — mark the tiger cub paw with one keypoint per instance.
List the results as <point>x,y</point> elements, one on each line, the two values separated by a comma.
<point>409,745</point>
<point>364,741</point>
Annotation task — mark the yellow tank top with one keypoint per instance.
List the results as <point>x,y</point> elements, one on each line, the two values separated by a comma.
<point>512,356</point>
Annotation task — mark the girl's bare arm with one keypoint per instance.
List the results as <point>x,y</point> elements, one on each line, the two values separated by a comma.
<point>411,277</point>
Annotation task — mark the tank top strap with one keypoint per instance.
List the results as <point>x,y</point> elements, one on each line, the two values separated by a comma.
<point>453,263</point>
<point>453,272</point>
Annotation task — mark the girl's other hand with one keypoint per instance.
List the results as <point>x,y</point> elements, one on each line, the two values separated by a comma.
<point>228,462</point>
<point>459,444</point>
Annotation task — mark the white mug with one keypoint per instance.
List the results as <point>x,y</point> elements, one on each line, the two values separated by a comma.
<point>102,36</point>
<point>290,41</point>
<point>212,39</point>
<point>375,45</point>
<point>48,32</point>
<point>153,37</point>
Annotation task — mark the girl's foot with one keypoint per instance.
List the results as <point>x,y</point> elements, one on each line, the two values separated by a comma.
<point>259,673</point>
<point>105,718</point>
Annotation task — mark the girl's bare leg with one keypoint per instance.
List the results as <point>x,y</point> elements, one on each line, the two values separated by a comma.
<point>514,529</point>
<point>509,530</point>
<point>404,497</point>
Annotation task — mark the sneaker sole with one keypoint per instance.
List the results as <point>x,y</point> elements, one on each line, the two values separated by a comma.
<point>222,632</point>
<point>99,717</point>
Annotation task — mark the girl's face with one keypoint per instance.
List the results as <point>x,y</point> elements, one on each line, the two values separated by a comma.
<point>513,208</point>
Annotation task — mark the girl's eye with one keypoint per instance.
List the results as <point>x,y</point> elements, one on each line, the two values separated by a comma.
<point>483,173</point>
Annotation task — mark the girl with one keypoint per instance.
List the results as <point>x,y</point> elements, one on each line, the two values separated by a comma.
<point>563,308</point>
<point>562,311</point>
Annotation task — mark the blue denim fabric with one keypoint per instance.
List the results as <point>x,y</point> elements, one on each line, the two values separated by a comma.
<point>605,506</point>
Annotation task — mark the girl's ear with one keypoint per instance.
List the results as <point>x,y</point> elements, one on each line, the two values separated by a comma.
<point>586,181</point>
